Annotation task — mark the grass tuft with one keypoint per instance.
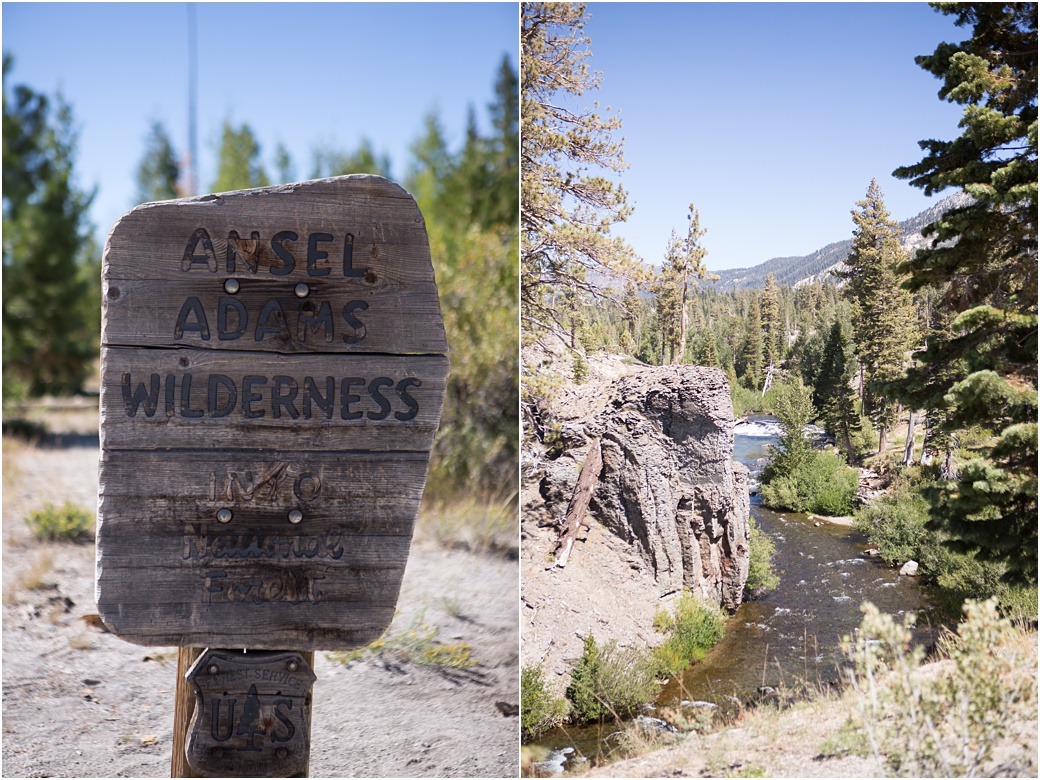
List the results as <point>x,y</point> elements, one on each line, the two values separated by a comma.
<point>69,522</point>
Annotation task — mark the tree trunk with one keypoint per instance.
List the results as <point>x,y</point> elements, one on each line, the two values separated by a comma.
<point>579,502</point>
<point>882,439</point>
<point>908,453</point>
<point>678,358</point>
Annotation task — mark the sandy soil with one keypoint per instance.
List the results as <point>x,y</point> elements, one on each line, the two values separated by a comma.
<point>79,702</point>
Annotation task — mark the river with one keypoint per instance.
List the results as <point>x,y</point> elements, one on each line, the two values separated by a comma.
<point>786,639</point>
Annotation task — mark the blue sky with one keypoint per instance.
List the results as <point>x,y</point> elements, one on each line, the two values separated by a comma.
<point>771,118</point>
<point>299,74</point>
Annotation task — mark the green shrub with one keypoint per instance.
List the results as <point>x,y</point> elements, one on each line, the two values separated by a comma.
<point>762,576</point>
<point>746,401</point>
<point>70,522</point>
<point>895,524</point>
<point>946,723</point>
<point>539,709</point>
<point>580,368</point>
<point>819,482</point>
<point>696,628</point>
<point>611,681</point>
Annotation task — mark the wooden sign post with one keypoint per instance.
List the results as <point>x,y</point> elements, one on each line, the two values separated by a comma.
<point>273,368</point>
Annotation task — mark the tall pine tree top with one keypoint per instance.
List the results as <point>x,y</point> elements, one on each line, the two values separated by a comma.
<point>567,208</point>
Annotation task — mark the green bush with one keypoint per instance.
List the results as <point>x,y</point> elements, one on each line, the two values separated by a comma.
<point>69,522</point>
<point>695,629</point>
<point>539,709</point>
<point>819,482</point>
<point>746,401</point>
<point>581,368</point>
<point>895,524</point>
<point>611,681</point>
<point>762,576</point>
<point>926,723</point>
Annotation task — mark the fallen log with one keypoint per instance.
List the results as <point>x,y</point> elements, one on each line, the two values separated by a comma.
<point>579,503</point>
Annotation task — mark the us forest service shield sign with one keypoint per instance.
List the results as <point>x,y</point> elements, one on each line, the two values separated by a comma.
<point>273,367</point>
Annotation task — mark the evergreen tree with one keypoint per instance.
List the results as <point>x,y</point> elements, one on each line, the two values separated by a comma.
<point>283,165</point>
<point>238,165</point>
<point>158,171</point>
<point>833,394</point>
<point>474,240</point>
<point>51,269</point>
<point>751,356</point>
<point>333,162</point>
<point>668,302</point>
<point>566,212</point>
<point>709,353</point>
<point>983,262</point>
<point>689,269</point>
<point>773,335</point>
<point>884,324</point>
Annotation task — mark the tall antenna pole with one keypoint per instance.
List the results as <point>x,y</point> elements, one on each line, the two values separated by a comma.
<point>193,77</point>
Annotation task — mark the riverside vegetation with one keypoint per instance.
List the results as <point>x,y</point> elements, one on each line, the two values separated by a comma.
<point>614,682</point>
<point>941,336</point>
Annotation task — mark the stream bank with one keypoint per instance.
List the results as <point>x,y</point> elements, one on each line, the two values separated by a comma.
<point>778,644</point>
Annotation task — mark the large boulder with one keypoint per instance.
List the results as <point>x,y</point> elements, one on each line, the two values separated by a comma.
<point>669,489</point>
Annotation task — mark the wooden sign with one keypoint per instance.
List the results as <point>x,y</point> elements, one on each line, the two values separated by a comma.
<point>273,368</point>
<point>251,714</point>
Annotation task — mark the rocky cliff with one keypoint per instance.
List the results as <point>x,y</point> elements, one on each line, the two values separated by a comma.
<point>669,509</point>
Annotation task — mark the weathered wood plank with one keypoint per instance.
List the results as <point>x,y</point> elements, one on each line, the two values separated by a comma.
<point>158,514</point>
<point>358,243</point>
<point>261,400</point>
<point>267,314</point>
<point>256,626</point>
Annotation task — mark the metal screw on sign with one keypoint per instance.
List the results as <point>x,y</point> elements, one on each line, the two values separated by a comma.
<point>231,286</point>
<point>224,515</point>
<point>295,516</point>
<point>302,290</point>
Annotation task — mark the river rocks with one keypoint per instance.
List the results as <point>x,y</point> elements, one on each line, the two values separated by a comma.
<point>909,569</point>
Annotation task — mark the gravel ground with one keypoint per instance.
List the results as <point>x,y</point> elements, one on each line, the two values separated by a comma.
<point>79,702</point>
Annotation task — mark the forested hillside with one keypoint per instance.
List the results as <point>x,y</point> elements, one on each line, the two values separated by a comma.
<point>817,265</point>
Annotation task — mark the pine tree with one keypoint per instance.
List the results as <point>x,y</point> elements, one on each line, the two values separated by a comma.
<point>772,325</point>
<point>238,165</point>
<point>833,394</point>
<point>982,261</point>
<point>709,353</point>
<point>51,279</point>
<point>884,323</point>
<point>751,357</point>
<point>667,304</point>
<point>566,212</point>
<point>334,162</point>
<point>283,165</point>
<point>689,270</point>
<point>158,171</point>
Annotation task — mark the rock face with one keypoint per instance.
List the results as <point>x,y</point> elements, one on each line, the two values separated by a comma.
<point>668,489</point>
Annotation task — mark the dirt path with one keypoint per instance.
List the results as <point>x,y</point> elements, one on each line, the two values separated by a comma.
<point>78,702</point>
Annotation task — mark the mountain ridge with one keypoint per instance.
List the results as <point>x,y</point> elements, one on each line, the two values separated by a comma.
<point>797,270</point>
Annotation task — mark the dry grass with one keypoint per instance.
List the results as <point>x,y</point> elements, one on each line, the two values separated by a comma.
<point>476,525</point>
<point>809,738</point>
